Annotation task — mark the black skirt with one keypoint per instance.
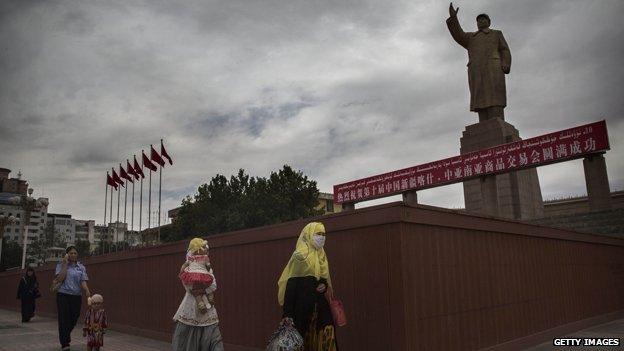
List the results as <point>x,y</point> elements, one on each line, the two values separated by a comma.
<point>310,312</point>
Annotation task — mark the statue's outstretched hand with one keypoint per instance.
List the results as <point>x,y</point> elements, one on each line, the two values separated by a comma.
<point>452,11</point>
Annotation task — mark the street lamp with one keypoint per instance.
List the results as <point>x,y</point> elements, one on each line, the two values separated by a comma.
<point>28,204</point>
<point>4,221</point>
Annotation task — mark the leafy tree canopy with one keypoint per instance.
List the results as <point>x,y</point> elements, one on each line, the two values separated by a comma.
<point>243,201</point>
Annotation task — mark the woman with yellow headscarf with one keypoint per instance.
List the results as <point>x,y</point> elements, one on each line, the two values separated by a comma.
<point>305,288</point>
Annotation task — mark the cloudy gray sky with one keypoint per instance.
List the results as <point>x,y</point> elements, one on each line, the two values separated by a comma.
<point>338,89</point>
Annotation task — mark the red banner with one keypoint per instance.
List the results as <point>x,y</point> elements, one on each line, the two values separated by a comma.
<point>550,148</point>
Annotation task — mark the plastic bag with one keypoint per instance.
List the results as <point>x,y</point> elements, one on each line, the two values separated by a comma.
<point>285,338</point>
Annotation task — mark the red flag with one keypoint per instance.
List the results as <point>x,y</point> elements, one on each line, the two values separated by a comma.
<point>123,174</point>
<point>164,153</point>
<point>147,163</point>
<point>156,157</point>
<point>131,170</point>
<point>110,181</point>
<point>117,179</point>
<point>138,169</point>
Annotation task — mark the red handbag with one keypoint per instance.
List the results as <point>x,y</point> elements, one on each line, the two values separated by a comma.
<point>337,311</point>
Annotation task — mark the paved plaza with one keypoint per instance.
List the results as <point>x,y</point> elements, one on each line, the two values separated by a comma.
<point>613,329</point>
<point>40,334</point>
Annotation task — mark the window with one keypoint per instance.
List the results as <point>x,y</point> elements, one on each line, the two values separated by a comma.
<point>329,206</point>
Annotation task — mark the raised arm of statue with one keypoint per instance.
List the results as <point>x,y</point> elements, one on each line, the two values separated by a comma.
<point>452,11</point>
<point>505,54</point>
<point>456,30</point>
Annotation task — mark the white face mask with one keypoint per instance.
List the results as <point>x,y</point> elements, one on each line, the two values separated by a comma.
<point>318,240</point>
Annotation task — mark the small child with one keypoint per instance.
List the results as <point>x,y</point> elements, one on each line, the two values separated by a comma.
<point>196,273</point>
<point>95,323</point>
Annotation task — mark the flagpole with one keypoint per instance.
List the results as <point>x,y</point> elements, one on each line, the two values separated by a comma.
<point>141,196</point>
<point>141,206</point>
<point>110,219</point>
<point>159,191</point>
<point>106,198</point>
<point>132,212</point>
<point>110,215</point>
<point>126,202</point>
<point>118,197</point>
<point>149,203</point>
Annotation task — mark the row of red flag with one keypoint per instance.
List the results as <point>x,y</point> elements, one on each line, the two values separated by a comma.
<point>135,172</point>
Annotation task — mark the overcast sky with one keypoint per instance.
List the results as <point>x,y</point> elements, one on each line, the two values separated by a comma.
<point>338,89</point>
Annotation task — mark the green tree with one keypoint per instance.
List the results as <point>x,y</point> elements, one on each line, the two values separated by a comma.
<point>11,254</point>
<point>53,237</point>
<point>83,247</point>
<point>245,202</point>
<point>49,234</point>
<point>59,240</point>
<point>37,250</point>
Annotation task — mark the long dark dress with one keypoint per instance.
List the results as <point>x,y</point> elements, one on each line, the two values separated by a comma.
<point>311,313</point>
<point>27,292</point>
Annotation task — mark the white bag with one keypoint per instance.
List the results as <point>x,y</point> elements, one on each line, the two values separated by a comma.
<point>285,338</point>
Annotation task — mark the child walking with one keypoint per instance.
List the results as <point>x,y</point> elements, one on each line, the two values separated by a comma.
<point>196,273</point>
<point>95,323</point>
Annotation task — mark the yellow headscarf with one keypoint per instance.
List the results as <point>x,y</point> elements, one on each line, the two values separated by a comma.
<point>307,260</point>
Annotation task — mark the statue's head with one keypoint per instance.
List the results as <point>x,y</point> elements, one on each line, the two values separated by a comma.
<point>483,21</point>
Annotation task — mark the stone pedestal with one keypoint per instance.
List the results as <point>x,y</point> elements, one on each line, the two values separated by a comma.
<point>597,182</point>
<point>514,195</point>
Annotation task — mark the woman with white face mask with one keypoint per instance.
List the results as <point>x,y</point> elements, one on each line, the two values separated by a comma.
<point>305,290</point>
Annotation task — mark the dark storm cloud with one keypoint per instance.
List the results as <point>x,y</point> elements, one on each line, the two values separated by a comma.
<point>339,89</point>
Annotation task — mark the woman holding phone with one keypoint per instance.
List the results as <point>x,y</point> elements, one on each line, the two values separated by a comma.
<point>73,277</point>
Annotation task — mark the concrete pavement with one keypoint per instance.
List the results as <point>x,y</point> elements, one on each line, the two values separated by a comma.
<point>41,334</point>
<point>613,329</point>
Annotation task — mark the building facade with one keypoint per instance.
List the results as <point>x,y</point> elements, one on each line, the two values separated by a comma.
<point>327,204</point>
<point>64,226</point>
<point>12,189</point>
<point>72,230</point>
<point>85,230</point>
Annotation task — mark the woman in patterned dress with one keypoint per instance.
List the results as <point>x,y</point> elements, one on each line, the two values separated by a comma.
<point>95,323</point>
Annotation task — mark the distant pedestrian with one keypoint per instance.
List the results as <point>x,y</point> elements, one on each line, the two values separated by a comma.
<point>28,291</point>
<point>95,323</point>
<point>305,289</point>
<point>196,330</point>
<point>72,276</point>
